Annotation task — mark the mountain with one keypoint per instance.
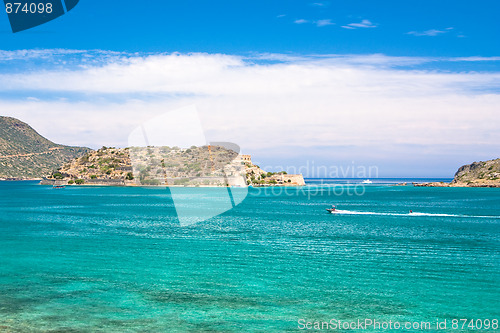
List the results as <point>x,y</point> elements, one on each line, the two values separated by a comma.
<point>26,154</point>
<point>478,174</point>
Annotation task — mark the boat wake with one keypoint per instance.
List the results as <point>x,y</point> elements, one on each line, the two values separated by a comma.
<point>352,212</point>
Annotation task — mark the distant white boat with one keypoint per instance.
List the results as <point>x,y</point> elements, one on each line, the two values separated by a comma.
<point>367,181</point>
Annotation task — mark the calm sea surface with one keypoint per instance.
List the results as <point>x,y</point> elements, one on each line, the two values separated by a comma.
<point>109,259</point>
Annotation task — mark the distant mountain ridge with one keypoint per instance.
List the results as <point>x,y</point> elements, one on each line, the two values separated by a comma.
<point>26,154</point>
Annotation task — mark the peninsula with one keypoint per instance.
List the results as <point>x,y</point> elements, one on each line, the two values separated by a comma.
<point>477,174</point>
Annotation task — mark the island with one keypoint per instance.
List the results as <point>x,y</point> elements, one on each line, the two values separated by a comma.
<point>197,166</point>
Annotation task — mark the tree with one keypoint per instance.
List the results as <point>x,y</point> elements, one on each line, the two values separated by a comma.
<point>129,176</point>
<point>79,181</point>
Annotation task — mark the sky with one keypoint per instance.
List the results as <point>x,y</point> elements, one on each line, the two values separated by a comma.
<point>411,88</point>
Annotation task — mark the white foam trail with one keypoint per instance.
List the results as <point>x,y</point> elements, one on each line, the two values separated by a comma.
<point>429,214</point>
<point>352,212</point>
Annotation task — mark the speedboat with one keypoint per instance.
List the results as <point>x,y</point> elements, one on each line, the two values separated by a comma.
<point>367,181</point>
<point>331,210</point>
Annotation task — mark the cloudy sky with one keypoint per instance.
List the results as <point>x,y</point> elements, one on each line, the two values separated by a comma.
<point>415,97</point>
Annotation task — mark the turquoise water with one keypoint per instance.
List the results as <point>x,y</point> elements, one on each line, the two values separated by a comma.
<point>102,259</point>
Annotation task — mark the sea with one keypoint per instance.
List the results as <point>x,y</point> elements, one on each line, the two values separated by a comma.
<point>116,259</point>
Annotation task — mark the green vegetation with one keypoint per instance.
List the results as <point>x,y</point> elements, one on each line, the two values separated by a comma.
<point>57,175</point>
<point>79,181</point>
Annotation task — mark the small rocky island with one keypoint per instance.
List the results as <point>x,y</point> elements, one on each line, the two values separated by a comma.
<point>167,166</point>
<point>477,174</point>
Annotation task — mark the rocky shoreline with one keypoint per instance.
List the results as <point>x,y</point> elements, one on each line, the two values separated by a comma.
<point>441,184</point>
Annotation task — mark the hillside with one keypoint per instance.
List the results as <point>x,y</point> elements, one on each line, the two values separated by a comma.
<point>477,174</point>
<point>26,154</point>
<point>481,174</point>
<point>196,166</point>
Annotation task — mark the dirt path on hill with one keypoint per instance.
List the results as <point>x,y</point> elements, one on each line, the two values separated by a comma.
<point>32,154</point>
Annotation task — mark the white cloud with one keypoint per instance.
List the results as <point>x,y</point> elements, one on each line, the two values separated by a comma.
<point>35,54</point>
<point>360,101</point>
<point>362,24</point>
<point>300,21</point>
<point>431,32</point>
<point>320,4</point>
<point>325,22</point>
<point>51,54</point>
<point>475,59</point>
<point>318,23</point>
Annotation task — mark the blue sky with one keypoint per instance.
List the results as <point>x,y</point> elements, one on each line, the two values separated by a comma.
<point>410,87</point>
<point>397,28</point>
